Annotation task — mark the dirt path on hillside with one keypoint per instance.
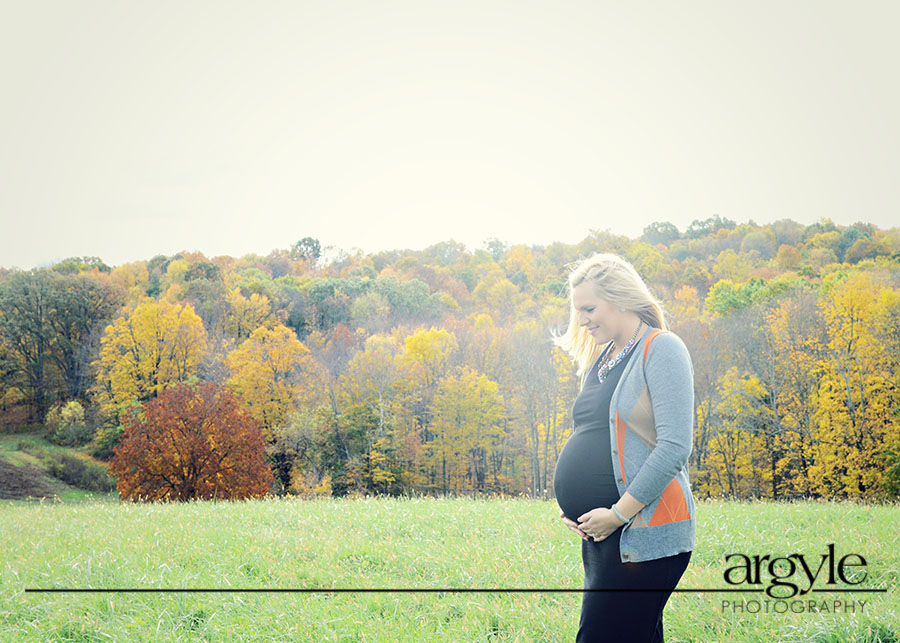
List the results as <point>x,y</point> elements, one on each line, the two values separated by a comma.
<point>17,482</point>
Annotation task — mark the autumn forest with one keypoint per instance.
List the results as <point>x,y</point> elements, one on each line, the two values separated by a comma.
<point>313,371</point>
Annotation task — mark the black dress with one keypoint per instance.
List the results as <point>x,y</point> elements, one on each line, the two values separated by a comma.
<point>584,477</point>
<point>584,480</point>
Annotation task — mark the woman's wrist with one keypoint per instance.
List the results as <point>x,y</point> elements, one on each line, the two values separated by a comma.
<point>628,506</point>
<point>618,514</point>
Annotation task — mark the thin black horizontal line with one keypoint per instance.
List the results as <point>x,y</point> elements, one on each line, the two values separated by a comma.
<point>364,590</point>
<point>862,591</point>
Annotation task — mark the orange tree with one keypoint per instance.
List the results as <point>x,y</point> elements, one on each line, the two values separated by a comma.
<point>192,441</point>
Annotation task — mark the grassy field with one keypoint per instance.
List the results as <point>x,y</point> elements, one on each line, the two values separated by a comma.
<point>397,543</point>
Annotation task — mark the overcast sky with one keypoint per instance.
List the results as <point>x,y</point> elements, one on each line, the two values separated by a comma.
<point>129,129</point>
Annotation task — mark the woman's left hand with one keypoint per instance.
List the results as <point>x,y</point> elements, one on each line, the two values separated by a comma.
<point>599,523</point>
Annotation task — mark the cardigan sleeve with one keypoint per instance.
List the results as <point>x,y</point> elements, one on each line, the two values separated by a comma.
<point>670,382</point>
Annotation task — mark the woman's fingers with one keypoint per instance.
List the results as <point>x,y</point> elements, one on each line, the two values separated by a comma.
<point>575,528</point>
<point>571,524</point>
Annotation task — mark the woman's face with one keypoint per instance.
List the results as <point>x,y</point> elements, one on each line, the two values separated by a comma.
<point>598,316</point>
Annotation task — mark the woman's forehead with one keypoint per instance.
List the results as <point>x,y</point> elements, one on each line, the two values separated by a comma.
<point>584,294</point>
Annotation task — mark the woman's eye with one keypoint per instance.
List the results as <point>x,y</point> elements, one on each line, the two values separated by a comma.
<point>589,310</point>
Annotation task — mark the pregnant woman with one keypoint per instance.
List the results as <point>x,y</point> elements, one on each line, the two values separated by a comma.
<point>621,479</point>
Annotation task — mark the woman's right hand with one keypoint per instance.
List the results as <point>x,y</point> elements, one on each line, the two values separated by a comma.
<point>571,524</point>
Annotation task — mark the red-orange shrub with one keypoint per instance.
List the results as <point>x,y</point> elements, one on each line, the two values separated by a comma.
<point>191,441</point>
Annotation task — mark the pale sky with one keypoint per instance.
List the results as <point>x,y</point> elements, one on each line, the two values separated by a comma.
<point>130,129</point>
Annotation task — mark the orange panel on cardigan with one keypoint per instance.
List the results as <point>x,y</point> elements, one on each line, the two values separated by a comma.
<point>650,337</point>
<point>620,444</point>
<point>672,506</point>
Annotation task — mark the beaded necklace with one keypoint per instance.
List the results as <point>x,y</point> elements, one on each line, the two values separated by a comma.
<point>604,369</point>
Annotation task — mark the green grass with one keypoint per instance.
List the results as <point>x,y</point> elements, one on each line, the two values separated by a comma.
<point>395,543</point>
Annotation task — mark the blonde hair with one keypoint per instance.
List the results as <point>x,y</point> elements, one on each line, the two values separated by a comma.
<point>616,281</point>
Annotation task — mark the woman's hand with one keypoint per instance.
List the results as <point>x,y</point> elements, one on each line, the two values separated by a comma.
<point>572,525</point>
<point>599,523</point>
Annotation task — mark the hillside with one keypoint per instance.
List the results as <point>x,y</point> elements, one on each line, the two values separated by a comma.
<point>25,475</point>
<point>24,481</point>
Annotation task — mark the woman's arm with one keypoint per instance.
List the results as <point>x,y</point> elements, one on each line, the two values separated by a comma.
<point>670,382</point>
<point>628,506</point>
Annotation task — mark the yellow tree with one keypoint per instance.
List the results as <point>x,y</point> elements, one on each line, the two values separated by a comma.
<point>495,294</point>
<point>788,257</point>
<point>373,377</point>
<point>757,351</point>
<point>521,266</point>
<point>380,383</point>
<point>886,335</point>
<point>427,354</point>
<point>150,346</point>
<point>273,373</point>
<point>886,329</point>
<point>467,414</point>
<point>732,266</point>
<point>710,358</point>
<point>650,263</point>
<point>246,315</point>
<point>474,335</point>
<point>560,409</point>
<point>854,418</point>
<point>430,351</point>
<point>376,472</point>
<point>734,456</point>
<point>685,306</point>
<point>134,278</point>
<point>541,386</point>
<point>174,279</point>
<point>797,336</point>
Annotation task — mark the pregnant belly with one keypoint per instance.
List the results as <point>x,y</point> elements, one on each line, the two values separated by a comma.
<point>584,478</point>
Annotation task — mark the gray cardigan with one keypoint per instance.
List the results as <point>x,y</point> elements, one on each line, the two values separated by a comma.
<point>651,419</point>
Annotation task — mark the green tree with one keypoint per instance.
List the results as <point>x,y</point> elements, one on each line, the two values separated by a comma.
<point>81,307</point>
<point>660,232</point>
<point>48,322</point>
<point>75,265</point>
<point>306,248</point>
<point>701,228</point>
<point>25,310</point>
